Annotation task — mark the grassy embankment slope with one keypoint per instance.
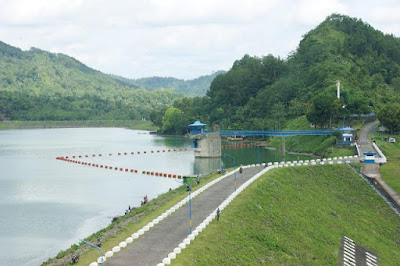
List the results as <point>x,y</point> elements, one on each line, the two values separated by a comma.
<point>296,216</point>
<point>132,124</point>
<point>318,145</point>
<point>126,225</point>
<point>390,171</point>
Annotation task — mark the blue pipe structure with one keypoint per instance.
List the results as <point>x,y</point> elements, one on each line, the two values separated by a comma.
<point>93,246</point>
<point>277,133</point>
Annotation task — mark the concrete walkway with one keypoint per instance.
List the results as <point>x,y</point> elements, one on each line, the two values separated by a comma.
<point>155,245</point>
<point>365,145</point>
<point>364,142</point>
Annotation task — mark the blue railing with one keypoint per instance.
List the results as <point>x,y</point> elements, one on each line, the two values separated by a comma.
<point>282,133</point>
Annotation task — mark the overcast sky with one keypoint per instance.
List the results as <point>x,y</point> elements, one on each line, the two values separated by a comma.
<point>179,38</point>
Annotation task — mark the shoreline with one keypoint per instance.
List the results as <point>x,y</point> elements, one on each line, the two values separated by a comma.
<point>118,229</point>
<point>127,124</point>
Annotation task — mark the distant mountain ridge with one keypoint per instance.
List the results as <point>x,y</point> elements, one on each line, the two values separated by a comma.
<point>39,85</point>
<point>191,88</point>
<point>194,87</point>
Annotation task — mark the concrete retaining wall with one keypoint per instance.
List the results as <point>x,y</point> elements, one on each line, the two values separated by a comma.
<point>383,157</point>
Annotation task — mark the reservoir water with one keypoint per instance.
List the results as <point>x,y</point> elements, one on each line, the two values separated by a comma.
<point>46,205</point>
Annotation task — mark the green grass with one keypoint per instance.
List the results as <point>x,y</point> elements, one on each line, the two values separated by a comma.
<point>296,216</point>
<point>390,171</point>
<point>323,146</point>
<point>145,214</point>
<point>132,124</point>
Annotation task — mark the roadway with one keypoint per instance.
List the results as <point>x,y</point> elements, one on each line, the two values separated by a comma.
<point>364,142</point>
<point>157,243</point>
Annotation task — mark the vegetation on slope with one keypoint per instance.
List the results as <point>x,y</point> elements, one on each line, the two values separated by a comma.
<point>296,216</point>
<point>390,171</point>
<point>38,85</point>
<point>266,92</point>
<point>194,87</point>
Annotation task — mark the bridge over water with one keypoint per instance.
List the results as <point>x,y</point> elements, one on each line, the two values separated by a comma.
<point>276,133</point>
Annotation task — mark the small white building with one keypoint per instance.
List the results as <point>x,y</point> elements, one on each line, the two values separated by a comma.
<point>347,137</point>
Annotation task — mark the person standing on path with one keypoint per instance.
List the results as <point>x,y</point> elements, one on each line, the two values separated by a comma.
<point>218,212</point>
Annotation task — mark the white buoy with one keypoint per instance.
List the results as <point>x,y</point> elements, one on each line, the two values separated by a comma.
<point>122,244</point>
<point>135,236</point>
<point>186,241</point>
<point>141,232</point>
<point>116,249</point>
<point>129,240</point>
<point>146,228</point>
<point>182,245</point>
<point>93,264</point>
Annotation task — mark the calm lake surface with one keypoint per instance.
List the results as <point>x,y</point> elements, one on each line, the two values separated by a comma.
<point>46,204</point>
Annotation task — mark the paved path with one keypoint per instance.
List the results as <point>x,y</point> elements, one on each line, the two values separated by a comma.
<point>155,244</point>
<point>364,142</point>
<point>365,145</point>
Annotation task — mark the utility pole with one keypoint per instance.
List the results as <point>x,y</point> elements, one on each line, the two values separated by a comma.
<point>338,88</point>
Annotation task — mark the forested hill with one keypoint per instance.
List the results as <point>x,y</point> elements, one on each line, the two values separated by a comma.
<point>39,85</point>
<point>265,92</point>
<point>194,87</point>
<point>191,88</point>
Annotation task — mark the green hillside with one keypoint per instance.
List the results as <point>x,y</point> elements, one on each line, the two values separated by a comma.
<point>38,85</point>
<point>296,216</point>
<point>266,92</point>
<point>194,87</point>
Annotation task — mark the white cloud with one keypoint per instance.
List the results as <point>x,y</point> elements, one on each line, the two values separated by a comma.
<point>180,38</point>
<point>315,11</point>
<point>28,12</point>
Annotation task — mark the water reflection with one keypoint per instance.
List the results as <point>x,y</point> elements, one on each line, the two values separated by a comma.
<point>206,165</point>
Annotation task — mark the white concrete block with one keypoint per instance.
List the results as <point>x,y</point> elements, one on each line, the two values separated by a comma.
<point>177,251</point>
<point>109,254</point>
<point>100,258</point>
<point>166,261</point>
<point>116,249</point>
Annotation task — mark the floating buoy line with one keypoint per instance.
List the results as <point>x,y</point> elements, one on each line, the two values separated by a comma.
<point>123,153</point>
<point>73,159</point>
